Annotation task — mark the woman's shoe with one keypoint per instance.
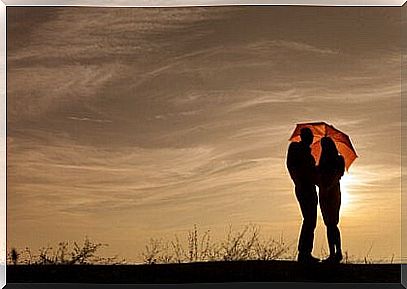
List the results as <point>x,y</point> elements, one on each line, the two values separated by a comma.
<point>330,260</point>
<point>338,257</point>
<point>333,259</point>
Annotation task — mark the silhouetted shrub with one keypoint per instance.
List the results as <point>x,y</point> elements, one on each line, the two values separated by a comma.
<point>64,255</point>
<point>14,256</point>
<point>242,245</point>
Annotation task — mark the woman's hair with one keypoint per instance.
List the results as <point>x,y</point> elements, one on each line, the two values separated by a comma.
<point>329,152</point>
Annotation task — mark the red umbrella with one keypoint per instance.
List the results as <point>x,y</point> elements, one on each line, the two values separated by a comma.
<point>321,129</point>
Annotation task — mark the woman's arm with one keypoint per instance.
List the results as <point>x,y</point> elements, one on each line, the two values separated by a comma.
<point>338,172</point>
<point>317,176</point>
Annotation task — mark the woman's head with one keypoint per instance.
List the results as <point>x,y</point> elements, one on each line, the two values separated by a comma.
<point>328,147</point>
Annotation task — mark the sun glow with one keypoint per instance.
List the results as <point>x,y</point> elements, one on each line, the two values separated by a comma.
<point>346,182</point>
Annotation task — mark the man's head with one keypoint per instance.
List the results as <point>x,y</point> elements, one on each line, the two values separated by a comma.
<point>307,136</point>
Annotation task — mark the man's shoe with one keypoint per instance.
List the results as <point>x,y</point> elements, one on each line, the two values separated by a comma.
<point>307,259</point>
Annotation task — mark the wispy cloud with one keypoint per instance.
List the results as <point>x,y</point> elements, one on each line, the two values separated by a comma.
<point>267,45</point>
<point>89,119</point>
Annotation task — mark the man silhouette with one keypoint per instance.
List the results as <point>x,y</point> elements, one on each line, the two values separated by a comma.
<point>301,166</point>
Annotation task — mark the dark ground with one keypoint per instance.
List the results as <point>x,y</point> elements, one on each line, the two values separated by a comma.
<point>207,272</point>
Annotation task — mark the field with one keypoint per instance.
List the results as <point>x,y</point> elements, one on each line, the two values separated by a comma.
<point>204,272</point>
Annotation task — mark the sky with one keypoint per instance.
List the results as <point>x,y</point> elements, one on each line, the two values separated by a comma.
<point>130,123</point>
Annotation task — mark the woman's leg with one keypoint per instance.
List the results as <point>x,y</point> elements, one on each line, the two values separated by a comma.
<point>337,232</point>
<point>332,239</point>
<point>338,242</point>
<point>323,203</point>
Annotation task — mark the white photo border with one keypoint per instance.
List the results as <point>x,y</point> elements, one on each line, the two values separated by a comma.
<point>178,3</point>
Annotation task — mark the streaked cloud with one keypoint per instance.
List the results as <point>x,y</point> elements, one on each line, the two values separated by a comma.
<point>88,119</point>
<point>297,46</point>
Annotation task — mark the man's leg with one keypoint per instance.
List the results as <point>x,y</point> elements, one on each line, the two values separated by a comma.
<point>308,204</point>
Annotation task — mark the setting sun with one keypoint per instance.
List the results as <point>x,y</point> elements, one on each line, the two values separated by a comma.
<point>346,182</point>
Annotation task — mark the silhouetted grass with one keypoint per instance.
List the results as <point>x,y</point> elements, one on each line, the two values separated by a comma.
<point>246,244</point>
<point>242,245</point>
<point>241,256</point>
<point>63,254</point>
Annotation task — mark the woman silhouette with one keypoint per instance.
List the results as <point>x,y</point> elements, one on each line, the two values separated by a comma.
<point>331,168</point>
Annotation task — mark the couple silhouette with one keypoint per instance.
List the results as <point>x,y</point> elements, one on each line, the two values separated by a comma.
<point>306,175</point>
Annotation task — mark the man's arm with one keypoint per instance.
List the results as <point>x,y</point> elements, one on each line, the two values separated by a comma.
<point>292,161</point>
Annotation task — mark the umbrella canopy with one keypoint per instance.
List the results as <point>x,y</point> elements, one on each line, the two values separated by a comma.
<point>321,129</point>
